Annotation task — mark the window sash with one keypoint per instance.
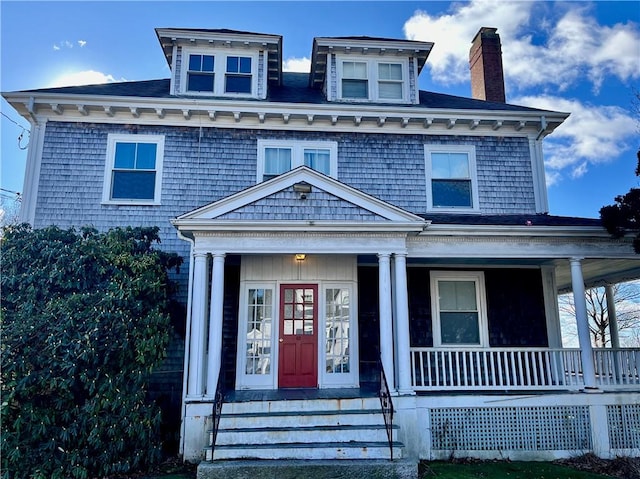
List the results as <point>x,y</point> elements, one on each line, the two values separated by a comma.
<point>259,331</point>
<point>279,156</point>
<point>451,177</point>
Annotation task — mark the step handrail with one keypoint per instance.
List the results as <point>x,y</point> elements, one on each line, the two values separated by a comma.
<point>216,412</point>
<point>387,408</point>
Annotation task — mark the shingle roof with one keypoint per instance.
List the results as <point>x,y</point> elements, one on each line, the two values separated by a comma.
<point>510,220</point>
<point>294,89</point>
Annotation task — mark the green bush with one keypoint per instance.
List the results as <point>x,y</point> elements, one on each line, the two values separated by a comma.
<point>84,321</point>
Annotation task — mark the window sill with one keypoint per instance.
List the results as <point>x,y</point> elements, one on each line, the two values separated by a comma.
<point>130,203</point>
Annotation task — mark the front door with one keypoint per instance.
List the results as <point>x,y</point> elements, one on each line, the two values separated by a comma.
<point>298,356</point>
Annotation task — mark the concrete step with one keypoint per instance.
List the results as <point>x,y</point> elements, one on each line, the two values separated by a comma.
<point>301,434</point>
<point>272,406</point>
<point>294,469</point>
<point>308,451</point>
<point>300,418</point>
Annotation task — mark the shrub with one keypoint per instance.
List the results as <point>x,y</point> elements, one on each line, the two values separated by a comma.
<point>84,322</point>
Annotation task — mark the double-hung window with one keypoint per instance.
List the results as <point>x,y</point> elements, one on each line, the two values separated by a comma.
<point>451,177</point>
<point>133,173</point>
<point>458,308</point>
<point>219,73</point>
<point>373,80</point>
<point>279,156</point>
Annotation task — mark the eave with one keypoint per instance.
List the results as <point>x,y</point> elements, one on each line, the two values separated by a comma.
<point>225,113</point>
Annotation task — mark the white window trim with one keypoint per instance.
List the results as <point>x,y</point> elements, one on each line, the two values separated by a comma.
<point>350,379</point>
<point>478,278</point>
<point>470,150</point>
<point>114,138</point>
<point>258,381</point>
<point>219,71</point>
<point>372,78</point>
<point>297,154</point>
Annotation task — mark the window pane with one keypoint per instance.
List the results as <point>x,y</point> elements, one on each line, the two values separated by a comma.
<point>459,328</point>
<point>258,332</point>
<point>449,165</point>
<point>207,63</point>
<point>245,65</point>
<point>134,185</point>
<point>390,90</point>
<point>355,88</point>
<point>277,161</point>
<point>146,158</point>
<point>200,82</point>
<point>319,160</point>
<point>454,193</point>
<point>354,70</point>
<point>232,64</point>
<point>195,62</point>
<point>457,295</point>
<point>238,84</point>
<point>337,331</point>
<point>390,71</point>
<point>125,155</point>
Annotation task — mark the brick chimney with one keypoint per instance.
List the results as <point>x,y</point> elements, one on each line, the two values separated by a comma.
<point>485,62</point>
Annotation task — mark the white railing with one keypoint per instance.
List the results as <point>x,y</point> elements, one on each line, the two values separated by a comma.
<point>513,368</point>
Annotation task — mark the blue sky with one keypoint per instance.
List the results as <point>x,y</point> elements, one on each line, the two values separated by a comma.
<point>578,57</point>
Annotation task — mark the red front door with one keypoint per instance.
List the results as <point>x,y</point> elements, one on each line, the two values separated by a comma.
<point>298,356</point>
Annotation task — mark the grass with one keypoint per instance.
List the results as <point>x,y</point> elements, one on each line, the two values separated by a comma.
<point>501,470</point>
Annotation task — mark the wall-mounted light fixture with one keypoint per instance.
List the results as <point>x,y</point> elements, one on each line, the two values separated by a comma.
<point>300,256</point>
<point>303,189</point>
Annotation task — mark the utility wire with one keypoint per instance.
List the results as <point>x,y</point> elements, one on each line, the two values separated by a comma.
<point>14,122</point>
<point>21,135</point>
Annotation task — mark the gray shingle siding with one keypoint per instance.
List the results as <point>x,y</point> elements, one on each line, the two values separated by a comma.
<point>202,167</point>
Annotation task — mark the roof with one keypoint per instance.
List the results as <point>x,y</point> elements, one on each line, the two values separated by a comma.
<point>294,89</point>
<point>510,220</point>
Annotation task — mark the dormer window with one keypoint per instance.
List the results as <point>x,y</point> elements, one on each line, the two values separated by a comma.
<point>373,80</point>
<point>219,73</point>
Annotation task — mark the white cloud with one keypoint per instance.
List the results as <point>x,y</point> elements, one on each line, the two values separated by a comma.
<point>82,43</point>
<point>592,134</point>
<point>302,65</point>
<point>576,47</point>
<point>87,77</point>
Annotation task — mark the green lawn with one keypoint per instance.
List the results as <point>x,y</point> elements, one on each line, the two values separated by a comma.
<point>501,470</point>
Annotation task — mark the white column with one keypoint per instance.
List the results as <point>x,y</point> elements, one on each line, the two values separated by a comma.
<point>403,355</point>
<point>613,318</point>
<point>198,321</point>
<point>584,337</point>
<point>386,326</point>
<point>214,359</point>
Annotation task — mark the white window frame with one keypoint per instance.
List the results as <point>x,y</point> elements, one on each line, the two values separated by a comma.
<point>297,154</point>
<point>350,379</point>
<point>219,71</point>
<point>258,381</point>
<point>470,150</point>
<point>478,278</point>
<point>112,140</point>
<point>372,78</point>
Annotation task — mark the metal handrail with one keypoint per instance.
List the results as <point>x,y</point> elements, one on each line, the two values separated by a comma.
<point>218,401</point>
<point>387,407</point>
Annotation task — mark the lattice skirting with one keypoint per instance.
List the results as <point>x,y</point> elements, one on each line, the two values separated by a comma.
<point>549,428</point>
<point>624,426</point>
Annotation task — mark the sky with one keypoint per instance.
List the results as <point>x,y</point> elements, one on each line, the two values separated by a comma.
<point>571,56</point>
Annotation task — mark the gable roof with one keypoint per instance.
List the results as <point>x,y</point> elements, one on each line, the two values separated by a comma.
<point>276,205</point>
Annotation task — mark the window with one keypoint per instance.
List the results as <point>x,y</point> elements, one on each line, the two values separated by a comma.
<point>451,178</point>
<point>277,156</point>
<point>337,325</point>
<point>133,171</point>
<point>238,79</point>
<point>200,76</point>
<point>457,301</point>
<point>210,72</point>
<point>258,331</point>
<point>368,79</point>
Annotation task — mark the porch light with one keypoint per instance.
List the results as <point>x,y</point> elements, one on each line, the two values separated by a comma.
<point>300,256</point>
<point>303,189</point>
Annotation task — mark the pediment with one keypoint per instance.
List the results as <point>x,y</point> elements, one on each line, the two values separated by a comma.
<point>302,197</point>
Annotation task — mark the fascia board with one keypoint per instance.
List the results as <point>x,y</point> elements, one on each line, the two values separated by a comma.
<point>193,225</point>
<point>524,231</point>
<point>181,34</point>
<point>388,44</point>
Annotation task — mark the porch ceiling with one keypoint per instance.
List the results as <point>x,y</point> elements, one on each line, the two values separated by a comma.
<point>598,272</point>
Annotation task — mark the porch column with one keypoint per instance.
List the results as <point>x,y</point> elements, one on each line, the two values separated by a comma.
<point>584,337</point>
<point>386,326</point>
<point>403,355</point>
<point>214,359</point>
<point>198,320</point>
<point>613,318</point>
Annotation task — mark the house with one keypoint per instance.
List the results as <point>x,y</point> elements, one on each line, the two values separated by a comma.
<point>338,225</point>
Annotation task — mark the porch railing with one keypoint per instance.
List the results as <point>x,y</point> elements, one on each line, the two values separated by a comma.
<point>514,368</point>
<point>387,407</point>
<point>216,412</point>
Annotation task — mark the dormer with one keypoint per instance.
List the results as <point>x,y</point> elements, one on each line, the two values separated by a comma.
<point>221,63</point>
<point>368,70</point>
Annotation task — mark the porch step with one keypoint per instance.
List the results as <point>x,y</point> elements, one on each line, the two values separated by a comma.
<point>309,429</point>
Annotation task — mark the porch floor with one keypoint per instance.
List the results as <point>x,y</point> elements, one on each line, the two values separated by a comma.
<point>365,391</point>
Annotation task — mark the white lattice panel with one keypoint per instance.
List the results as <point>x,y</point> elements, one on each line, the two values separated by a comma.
<point>624,426</point>
<point>550,428</point>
